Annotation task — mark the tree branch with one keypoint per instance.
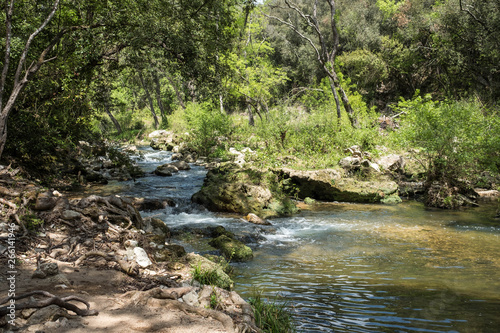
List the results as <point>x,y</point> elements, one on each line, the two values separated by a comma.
<point>30,40</point>
<point>462,8</point>
<point>8,38</point>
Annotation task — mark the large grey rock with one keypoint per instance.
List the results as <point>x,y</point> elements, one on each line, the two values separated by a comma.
<point>392,162</point>
<point>329,185</point>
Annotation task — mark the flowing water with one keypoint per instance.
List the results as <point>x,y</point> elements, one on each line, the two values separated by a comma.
<point>356,267</point>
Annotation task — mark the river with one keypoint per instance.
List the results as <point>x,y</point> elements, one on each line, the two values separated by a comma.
<point>354,267</point>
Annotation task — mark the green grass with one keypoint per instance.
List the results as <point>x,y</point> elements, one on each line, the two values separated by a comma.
<point>272,316</point>
<point>209,277</point>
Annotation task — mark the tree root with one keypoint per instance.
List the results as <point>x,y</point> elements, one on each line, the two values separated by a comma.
<point>126,267</point>
<point>52,299</point>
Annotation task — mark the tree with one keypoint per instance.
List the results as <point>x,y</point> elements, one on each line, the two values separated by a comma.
<point>252,79</point>
<point>326,50</point>
<point>22,75</point>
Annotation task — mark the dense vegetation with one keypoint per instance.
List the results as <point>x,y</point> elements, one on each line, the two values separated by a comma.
<point>296,81</point>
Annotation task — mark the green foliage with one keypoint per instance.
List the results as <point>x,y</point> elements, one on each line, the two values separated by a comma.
<point>458,138</point>
<point>389,7</point>
<point>207,125</point>
<point>366,69</point>
<point>272,316</point>
<point>31,221</point>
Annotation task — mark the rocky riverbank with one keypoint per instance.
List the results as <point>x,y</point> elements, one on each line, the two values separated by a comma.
<point>94,264</point>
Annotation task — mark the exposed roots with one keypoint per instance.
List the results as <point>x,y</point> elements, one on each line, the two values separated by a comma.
<point>52,299</point>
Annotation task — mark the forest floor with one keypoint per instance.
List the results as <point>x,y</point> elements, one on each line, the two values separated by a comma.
<point>66,260</point>
<point>104,291</point>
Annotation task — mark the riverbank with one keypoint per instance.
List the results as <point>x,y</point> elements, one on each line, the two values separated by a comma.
<point>94,264</point>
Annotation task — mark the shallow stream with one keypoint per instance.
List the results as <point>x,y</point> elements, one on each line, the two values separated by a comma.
<point>355,267</point>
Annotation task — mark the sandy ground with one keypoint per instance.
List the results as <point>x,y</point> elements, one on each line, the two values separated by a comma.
<point>104,290</point>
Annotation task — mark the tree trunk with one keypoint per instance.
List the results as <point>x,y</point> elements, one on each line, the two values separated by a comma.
<point>3,132</point>
<point>336,97</point>
<point>177,92</point>
<point>251,121</point>
<point>113,119</point>
<point>163,112</point>
<point>150,100</point>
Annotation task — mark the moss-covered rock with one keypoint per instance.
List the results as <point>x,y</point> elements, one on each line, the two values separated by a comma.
<point>392,199</point>
<point>232,249</point>
<point>231,189</point>
<point>329,185</point>
<point>205,266</point>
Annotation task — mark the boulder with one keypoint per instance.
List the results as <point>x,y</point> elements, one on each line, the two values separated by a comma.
<point>350,162</point>
<point>205,265</point>
<point>232,249</point>
<point>181,165</point>
<point>158,133</point>
<point>231,189</point>
<point>165,170</point>
<point>329,185</point>
<point>392,162</point>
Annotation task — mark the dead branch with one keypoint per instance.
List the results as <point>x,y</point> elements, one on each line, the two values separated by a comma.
<point>52,299</point>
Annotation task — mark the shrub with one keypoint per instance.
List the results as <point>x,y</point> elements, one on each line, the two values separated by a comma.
<point>207,125</point>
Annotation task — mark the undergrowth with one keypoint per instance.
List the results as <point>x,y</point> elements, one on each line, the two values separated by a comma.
<point>272,315</point>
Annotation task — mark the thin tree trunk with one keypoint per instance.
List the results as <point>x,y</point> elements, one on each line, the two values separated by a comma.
<point>336,97</point>
<point>177,92</point>
<point>163,112</point>
<point>113,119</point>
<point>3,132</point>
<point>150,100</point>
<point>251,121</point>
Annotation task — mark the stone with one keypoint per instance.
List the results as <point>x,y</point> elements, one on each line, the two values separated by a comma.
<point>47,314</point>
<point>45,201</point>
<point>243,191</point>
<point>329,185</point>
<point>176,156</point>
<point>392,162</point>
<point>191,298</point>
<point>350,162</point>
<point>158,133</point>
<point>181,165</point>
<point>252,218</point>
<point>188,159</point>
<point>166,170</point>
<point>232,249</point>
<point>204,264</point>
<point>141,257</point>
<point>370,166</point>
<point>70,215</point>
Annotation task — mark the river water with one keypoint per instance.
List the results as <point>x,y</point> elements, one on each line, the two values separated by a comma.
<point>355,267</point>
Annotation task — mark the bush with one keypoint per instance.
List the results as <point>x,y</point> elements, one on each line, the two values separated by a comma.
<point>207,125</point>
<point>457,139</point>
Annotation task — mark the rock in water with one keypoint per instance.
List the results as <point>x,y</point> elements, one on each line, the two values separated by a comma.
<point>252,218</point>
